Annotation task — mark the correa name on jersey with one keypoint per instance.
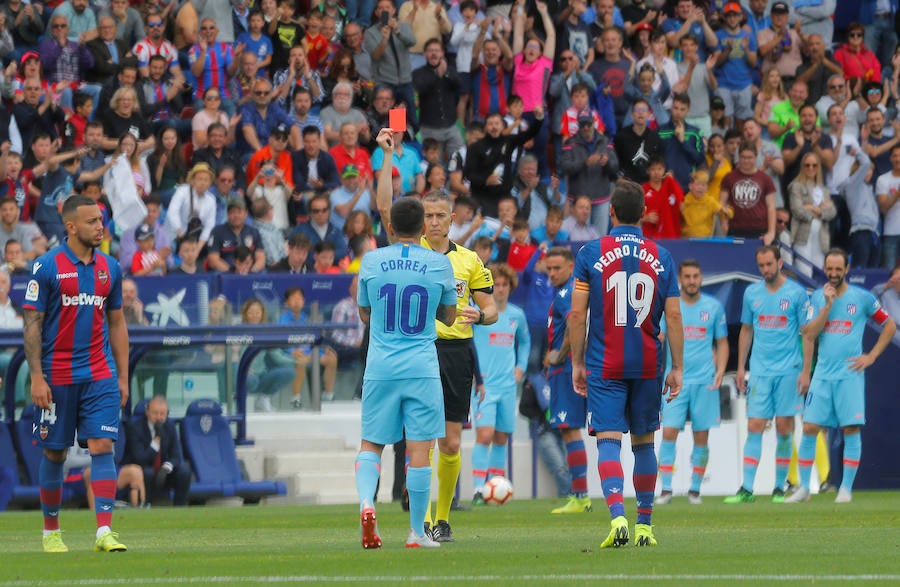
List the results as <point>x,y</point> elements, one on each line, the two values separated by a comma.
<point>626,250</point>
<point>404,265</point>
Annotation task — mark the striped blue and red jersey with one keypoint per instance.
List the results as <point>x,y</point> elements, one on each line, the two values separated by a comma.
<point>628,278</point>
<point>74,299</point>
<point>215,74</point>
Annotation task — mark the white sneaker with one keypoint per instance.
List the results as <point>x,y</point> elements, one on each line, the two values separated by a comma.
<point>263,404</point>
<point>327,396</point>
<point>694,498</point>
<point>843,496</point>
<point>799,496</point>
<point>663,498</point>
<point>416,541</point>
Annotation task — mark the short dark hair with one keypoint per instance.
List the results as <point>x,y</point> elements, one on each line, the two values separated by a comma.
<point>774,249</point>
<point>323,246</point>
<point>564,252</point>
<point>628,201</point>
<point>640,101</point>
<point>291,291</point>
<point>357,243</point>
<point>805,106</point>
<point>73,203</point>
<point>747,146</point>
<point>242,253</point>
<point>311,130</point>
<point>80,99</point>
<point>838,252</point>
<point>216,126</point>
<point>156,57</point>
<point>682,97</point>
<point>407,217</point>
<point>466,201</point>
<point>431,42</point>
<point>688,263</point>
<point>11,241</point>
<point>298,240</point>
<point>468,4</point>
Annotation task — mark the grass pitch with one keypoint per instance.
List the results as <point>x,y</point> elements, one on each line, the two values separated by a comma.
<point>712,544</point>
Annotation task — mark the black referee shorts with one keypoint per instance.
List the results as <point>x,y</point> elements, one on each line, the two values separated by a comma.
<point>456,359</point>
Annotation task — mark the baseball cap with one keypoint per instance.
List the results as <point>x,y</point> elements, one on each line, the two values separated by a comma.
<point>281,130</point>
<point>644,26</point>
<point>349,170</point>
<point>732,7</point>
<point>780,7</point>
<point>717,103</point>
<point>585,118</point>
<point>143,232</point>
<point>236,203</point>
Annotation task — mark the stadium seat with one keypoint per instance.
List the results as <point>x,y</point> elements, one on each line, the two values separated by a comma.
<point>22,493</point>
<point>208,443</point>
<point>140,408</point>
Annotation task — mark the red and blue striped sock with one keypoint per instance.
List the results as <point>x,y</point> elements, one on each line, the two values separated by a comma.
<point>612,479</point>
<point>752,452</point>
<point>103,483</point>
<point>576,458</point>
<point>852,454</point>
<point>50,477</point>
<point>644,477</point>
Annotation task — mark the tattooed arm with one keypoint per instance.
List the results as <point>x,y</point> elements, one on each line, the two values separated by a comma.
<point>40,391</point>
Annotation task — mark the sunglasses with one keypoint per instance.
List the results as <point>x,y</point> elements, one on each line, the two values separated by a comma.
<point>155,24</point>
<point>874,91</point>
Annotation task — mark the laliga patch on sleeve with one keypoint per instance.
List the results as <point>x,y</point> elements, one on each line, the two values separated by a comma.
<point>31,292</point>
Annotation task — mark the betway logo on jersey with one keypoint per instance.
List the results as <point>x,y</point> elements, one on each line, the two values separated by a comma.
<point>627,250</point>
<point>84,299</point>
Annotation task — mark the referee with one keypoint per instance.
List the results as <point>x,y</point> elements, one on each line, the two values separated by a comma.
<point>456,356</point>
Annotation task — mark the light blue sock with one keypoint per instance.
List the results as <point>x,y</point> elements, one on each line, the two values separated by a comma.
<point>666,464</point>
<point>480,465</point>
<point>806,456</point>
<point>783,450</point>
<point>752,452</point>
<point>852,454</point>
<point>699,460</point>
<point>497,460</point>
<point>418,484</point>
<point>368,470</point>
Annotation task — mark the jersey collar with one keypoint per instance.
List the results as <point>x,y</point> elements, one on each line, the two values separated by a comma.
<point>624,229</point>
<point>427,245</point>
<point>73,257</point>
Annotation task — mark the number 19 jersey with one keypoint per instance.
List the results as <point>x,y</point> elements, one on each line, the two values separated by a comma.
<point>629,279</point>
<point>403,284</point>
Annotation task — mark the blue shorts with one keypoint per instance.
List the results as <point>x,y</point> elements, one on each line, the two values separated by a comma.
<point>836,402</point>
<point>92,408</point>
<point>697,399</point>
<point>623,405</point>
<point>389,407</point>
<point>770,397</point>
<point>497,410</point>
<point>567,408</point>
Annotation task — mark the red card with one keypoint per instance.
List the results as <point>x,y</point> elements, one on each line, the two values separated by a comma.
<point>397,118</point>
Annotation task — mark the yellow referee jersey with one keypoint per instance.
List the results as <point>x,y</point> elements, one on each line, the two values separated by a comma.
<point>470,275</point>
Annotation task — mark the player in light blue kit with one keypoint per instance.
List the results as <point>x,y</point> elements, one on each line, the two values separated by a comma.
<point>705,358</point>
<point>773,312</point>
<point>838,315</point>
<point>402,288</point>
<point>502,348</point>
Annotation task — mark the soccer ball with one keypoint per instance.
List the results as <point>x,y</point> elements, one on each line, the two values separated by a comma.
<point>497,490</point>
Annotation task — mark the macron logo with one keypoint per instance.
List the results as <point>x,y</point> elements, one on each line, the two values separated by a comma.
<point>84,299</point>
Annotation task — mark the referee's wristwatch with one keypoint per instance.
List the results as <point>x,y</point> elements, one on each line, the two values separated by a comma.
<point>480,317</point>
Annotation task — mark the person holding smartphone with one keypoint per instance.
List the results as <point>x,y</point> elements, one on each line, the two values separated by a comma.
<point>389,41</point>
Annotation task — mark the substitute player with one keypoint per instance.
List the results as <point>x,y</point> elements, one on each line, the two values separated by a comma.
<point>627,282</point>
<point>705,358</point>
<point>773,311</point>
<point>456,357</point>
<point>838,315</point>
<point>76,344</point>
<point>568,410</point>
<point>402,288</point>
<point>502,349</point>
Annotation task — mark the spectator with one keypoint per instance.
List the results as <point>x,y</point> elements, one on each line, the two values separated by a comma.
<point>435,179</point>
<point>466,32</point>
<point>132,306</point>
<point>294,302</point>
<point>662,201</point>
<point>859,194</point>
<point>315,43</point>
<point>129,26</point>
<point>348,341</point>
<point>768,158</point>
<point>579,99</point>
<point>14,260</point>
<point>146,260</point>
<point>680,142</point>
<point>533,196</point>
<point>225,239</point>
<point>578,224</point>
<point>388,41</point>
<point>82,23</point>
<point>818,67</point>
<point>780,45</point>
<point>840,94</point>
<point>770,93</point>
<point>271,236</point>
<point>34,116</point>
<point>353,40</point>
<point>193,208</point>
<point>25,25</point>
<point>341,112</point>
<point>736,62</point>
<point>407,161</point>
<point>161,99</point>
<point>492,67</point>
<point>353,194</point>
<point>260,118</point>
<point>562,85</point>
<point>323,259</point>
<point>690,19</point>
<point>844,142</point>
<point>888,293</point>
<point>856,60</point>
<point>636,144</point>
<point>488,164</point>
<point>211,113</point>
<point>466,222</point>
<point>551,233</point>
<point>816,17</point>
<point>295,75</point>
<point>642,86</point>
<point>107,51</point>
<point>887,190</point>
<point>718,122</point>
<point>301,117</point>
<point>349,151</point>
<point>269,185</point>
<point>358,12</point>
<point>811,211</point>
<point>12,228</point>
<point>428,20</point>
<point>718,165</point>
<point>166,164</point>
<point>591,167</point>
<point>255,42</point>
<point>275,152</point>
<point>786,115</point>
<point>319,226</point>
<point>212,64</point>
<point>807,138</point>
<point>700,208</point>
<point>343,69</point>
<point>881,36</point>
<point>152,443</point>
<point>124,117</point>
<point>162,243</point>
<point>140,174</point>
<point>241,84</point>
<point>438,86</point>
<point>748,197</point>
<point>156,44</point>
<point>126,77</point>
<point>456,166</point>
<point>266,376</point>
<point>314,168</point>
<point>297,260</point>
<point>876,142</point>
